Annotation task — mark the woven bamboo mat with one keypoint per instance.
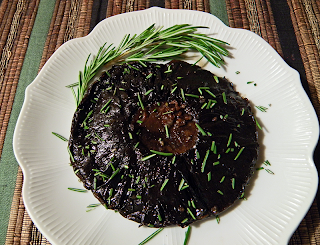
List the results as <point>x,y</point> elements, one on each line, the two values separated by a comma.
<point>76,18</point>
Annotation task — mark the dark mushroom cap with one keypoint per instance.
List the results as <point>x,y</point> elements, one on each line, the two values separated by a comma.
<point>164,144</point>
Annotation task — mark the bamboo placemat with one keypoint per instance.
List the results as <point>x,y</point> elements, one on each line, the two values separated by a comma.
<point>71,19</point>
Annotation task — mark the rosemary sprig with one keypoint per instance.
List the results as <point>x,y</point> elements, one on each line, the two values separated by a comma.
<point>153,44</point>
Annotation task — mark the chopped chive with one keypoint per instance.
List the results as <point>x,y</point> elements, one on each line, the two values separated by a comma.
<point>95,183</point>
<point>174,89</point>
<point>192,95</point>
<point>159,217</point>
<point>184,221</point>
<point>106,125</point>
<point>204,105</point>
<point>218,219</point>
<point>209,104</point>
<point>138,196</point>
<point>138,179</point>
<point>222,179</point>
<point>149,76</point>
<point>129,189</point>
<point>139,121</point>
<point>77,189</point>
<point>228,150</point>
<point>224,97</point>
<point>213,103</point>
<point>216,79</point>
<point>162,87</point>
<point>261,168</point>
<point>168,112</point>
<point>187,235</point>
<point>184,187</point>
<point>167,131</point>
<point>179,77</point>
<point>98,136</point>
<point>242,112</point>
<point>181,184</point>
<point>60,136</point>
<point>201,130</point>
<point>126,167</point>
<point>233,182</point>
<point>198,154</point>
<point>136,145</point>
<point>237,72</point>
<point>162,153</point>
<point>220,192</point>
<point>213,147</point>
<point>147,157</point>
<point>209,176</point>
<point>169,69</point>
<point>106,105</point>
<point>164,184</point>
<point>216,163</point>
<point>193,205</point>
<point>114,173</point>
<point>257,123</point>
<point>151,236</point>
<point>88,115</point>
<point>205,161</point>
<point>173,159</point>
<point>209,92</point>
<point>148,92</point>
<point>182,94</point>
<point>229,140</point>
<point>130,135</point>
<point>209,134</point>
<point>140,101</point>
<point>239,153</point>
<point>191,214</point>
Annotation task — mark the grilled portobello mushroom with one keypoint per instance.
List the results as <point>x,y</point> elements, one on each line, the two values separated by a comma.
<point>164,144</point>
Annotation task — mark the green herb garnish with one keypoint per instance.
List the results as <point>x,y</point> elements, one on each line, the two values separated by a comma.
<point>262,108</point>
<point>164,184</point>
<point>77,189</point>
<point>151,236</point>
<point>60,136</point>
<point>187,235</point>
<point>153,44</point>
<point>201,130</point>
<point>162,153</point>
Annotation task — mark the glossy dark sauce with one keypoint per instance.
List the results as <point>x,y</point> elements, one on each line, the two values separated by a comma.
<point>179,110</point>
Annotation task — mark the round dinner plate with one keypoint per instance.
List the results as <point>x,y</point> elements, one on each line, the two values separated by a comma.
<point>278,197</point>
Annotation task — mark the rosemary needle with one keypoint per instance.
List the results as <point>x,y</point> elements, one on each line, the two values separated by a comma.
<point>77,189</point>
<point>151,236</point>
<point>60,136</point>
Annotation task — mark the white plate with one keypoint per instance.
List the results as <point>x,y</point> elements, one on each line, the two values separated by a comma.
<point>276,203</point>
